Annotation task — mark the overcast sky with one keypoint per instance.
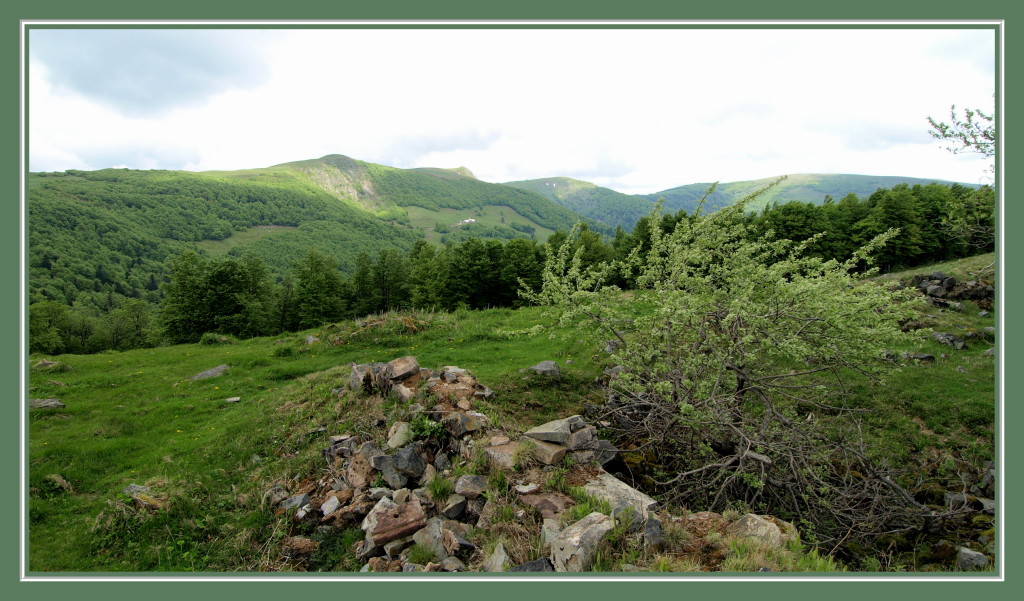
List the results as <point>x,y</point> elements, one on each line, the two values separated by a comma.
<point>634,110</point>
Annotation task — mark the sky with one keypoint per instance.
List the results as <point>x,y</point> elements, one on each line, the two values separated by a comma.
<point>635,110</point>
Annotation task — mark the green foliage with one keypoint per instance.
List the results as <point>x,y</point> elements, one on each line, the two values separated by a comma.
<point>440,488</point>
<point>421,554</point>
<point>211,338</point>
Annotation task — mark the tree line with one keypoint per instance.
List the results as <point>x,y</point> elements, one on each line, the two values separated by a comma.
<point>237,295</point>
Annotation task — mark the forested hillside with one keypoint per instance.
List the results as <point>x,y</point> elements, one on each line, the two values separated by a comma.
<point>589,200</point>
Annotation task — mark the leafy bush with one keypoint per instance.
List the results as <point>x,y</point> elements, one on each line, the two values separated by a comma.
<point>212,338</point>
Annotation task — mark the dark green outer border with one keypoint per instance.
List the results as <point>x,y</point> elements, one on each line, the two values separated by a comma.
<point>865,10</point>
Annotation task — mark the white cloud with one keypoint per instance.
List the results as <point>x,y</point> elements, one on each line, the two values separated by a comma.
<point>639,110</point>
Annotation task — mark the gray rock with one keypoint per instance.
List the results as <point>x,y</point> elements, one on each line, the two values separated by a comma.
<point>470,486</point>
<point>234,399</point>
<point>538,565</point>
<point>441,462</point>
<point>502,456</point>
<point>275,495</point>
<point>459,423</point>
<point>936,290</point>
<point>545,452</point>
<point>967,559</point>
<point>453,564</point>
<point>431,536</point>
<point>311,339</point>
<point>585,438</point>
<point>412,567</point>
<point>402,393</point>
<point>379,493</point>
<point>298,501</point>
<point>990,352</point>
<point>949,340</point>
<point>549,530</point>
<point>401,495</point>
<point>618,494</point>
<point>408,461</point>
<point>768,532</point>
<point>45,404</point>
<point>134,489</point>
<point>527,489</point>
<point>453,506</point>
<point>497,561</point>
<point>213,371</point>
<point>402,368</point>
<point>399,435</point>
<point>394,548</point>
<point>330,505</point>
<point>653,534</point>
<point>546,368</point>
<point>556,431</point>
<point>391,522</point>
<point>573,550</point>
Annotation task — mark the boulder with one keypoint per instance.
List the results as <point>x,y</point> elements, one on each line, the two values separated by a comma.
<point>453,564</point>
<point>573,550</point>
<point>966,559</point>
<point>502,456</point>
<point>387,521</point>
<point>453,506</point>
<point>408,461</point>
<point>470,486</point>
<point>949,340</point>
<point>618,494</point>
<point>311,339</point>
<point>45,404</point>
<point>545,452</point>
<point>768,530</point>
<point>330,505</point>
<point>297,501</point>
<point>550,504</point>
<point>547,369</point>
<point>431,536</point>
<point>585,438</point>
<point>557,431</point>
<point>402,368</point>
<point>401,392</point>
<point>460,423</point>
<point>399,435</point>
<point>213,371</point>
<point>497,561</point>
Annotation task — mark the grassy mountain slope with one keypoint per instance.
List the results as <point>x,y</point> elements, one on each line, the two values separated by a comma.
<point>109,232</point>
<point>590,200</point>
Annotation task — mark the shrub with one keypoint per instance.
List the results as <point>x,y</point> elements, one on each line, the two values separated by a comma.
<point>211,338</point>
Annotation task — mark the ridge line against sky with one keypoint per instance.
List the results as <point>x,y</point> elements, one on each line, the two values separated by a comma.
<point>635,110</point>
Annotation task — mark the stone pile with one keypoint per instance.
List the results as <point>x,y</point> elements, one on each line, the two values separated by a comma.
<point>943,291</point>
<point>390,492</point>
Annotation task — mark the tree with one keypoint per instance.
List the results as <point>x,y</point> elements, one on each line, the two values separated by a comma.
<point>973,133</point>
<point>735,378</point>
<point>319,290</point>
<point>184,313</point>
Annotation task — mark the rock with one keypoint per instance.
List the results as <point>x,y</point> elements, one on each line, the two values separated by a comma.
<point>429,473</point>
<point>460,423</point>
<point>610,346</point>
<point>502,456</point>
<point>441,462</point>
<point>585,438</point>
<point>486,393</point>
<point>573,550</point>
<point>298,546</point>
<point>401,495</point>
<point>935,290</point>
<point>486,514</point>
<point>923,357</point>
<point>45,404</point>
<point>310,339</point>
<point>549,530</point>
<point>395,547</point>
<point>60,482</point>
<point>148,502</point>
<point>386,465</point>
<point>213,371</point>
<point>401,368</point>
<point>379,493</point>
<point>989,353</point>
<point>967,559</point>
<point>298,502</point>
<point>546,368</point>
<point>234,399</point>
<point>273,496</point>
<point>550,504</point>
<point>453,564</point>
<point>408,461</point>
<point>359,472</point>
<point>330,505</point>
<point>134,489</point>
<point>527,489</point>
<point>949,340</point>
<point>470,486</point>
<point>768,530</point>
<point>388,521</point>
<point>402,393</point>
<point>538,565</point>
<point>497,561</point>
<point>431,536</point>
<point>618,494</point>
<point>556,431</point>
<point>545,452</point>
<point>399,435</point>
<point>949,283</point>
<point>453,506</point>
<point>653,534</point>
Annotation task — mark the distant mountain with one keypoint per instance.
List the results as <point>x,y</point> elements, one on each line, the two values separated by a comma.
<point>801,187</point>
<point>590,200</point>
<point>95,236</point>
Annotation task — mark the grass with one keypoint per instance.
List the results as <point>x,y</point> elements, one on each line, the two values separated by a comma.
<point>248,236</point>
<point>135,417</point>
<point>425,219</point>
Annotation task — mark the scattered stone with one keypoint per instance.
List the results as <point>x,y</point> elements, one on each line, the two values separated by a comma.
<point>549,530</point>
<point>497,441</point>
<point>212,372</point>
<point>486,514</point>
<point>330,505</point>
<point>585,438</point>
<point>395,547</point>
<point>546,368</point>
<point>402,393</point>
<point>470,486</point>
<point>556,431</point>
<point>234,399</point>
<point>967,559</point>
<point>923,357</point>
<point>387,521</point>
<point>441,462</point>
<point>618,494</point>
<point>273,496</point>
<point>573,550</point>
<point>408,461</point>
<point>453,506</point>
<point>311,339</point>
<point>401,495</point>
<point>430,536</point>
<point>379,493</point>
<point>538,565</point>
<point>768,530</point>
<point>989,353</point>
<point>452,564</point>
<point>497,561</point>
<point>45,404</point>
<point>460,423</point>
<point>610,346</point>
<point>134,489</point>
